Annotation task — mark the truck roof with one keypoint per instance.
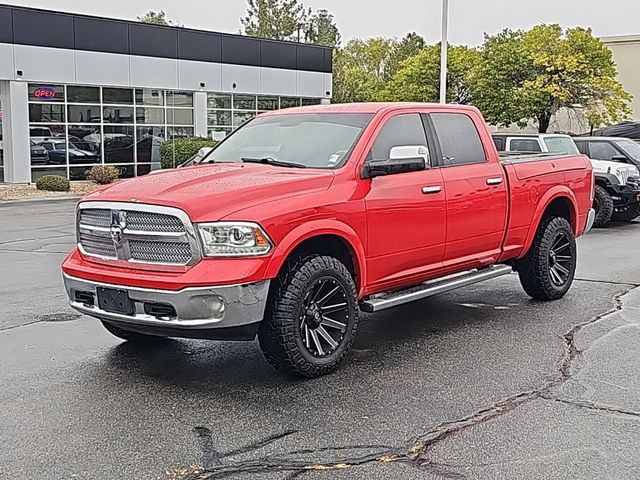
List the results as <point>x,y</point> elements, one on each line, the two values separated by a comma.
<point>371,108</point>
<point>530,135</point>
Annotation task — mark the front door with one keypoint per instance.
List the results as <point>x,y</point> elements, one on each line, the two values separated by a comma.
<point>405,212</point>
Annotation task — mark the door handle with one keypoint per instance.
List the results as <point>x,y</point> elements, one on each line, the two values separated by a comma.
<point>495,181</point>
<point>431,189</point>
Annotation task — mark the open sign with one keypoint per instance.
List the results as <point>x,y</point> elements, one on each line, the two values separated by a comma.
<point>45,93</point>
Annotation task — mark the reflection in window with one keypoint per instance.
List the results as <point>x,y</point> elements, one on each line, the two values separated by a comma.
<point>215,100</point>
<point>83,94</point>
<point>289,102</point>
<point>149,97</point>
<point>148,145</point>
<point>179,99</point>
<point>150,115</point>
<point>180,132</point>
<point>218,133</point>
<point>117,115</point>
<point>46,93</point>
<point>268,103</point>
<point>118,144</point>
<point>179,116</point>
<point>240,117</point>
<point>38,172</point>
<point>46,113</point>
<point>244,102</point>
<point>84,114</point>
<point>117,95</point>
<point>219,117</point>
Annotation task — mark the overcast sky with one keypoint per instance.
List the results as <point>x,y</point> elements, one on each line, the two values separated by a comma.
<point>367,18</point>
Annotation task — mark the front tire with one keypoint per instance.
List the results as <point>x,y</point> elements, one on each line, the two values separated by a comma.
<point>548,269</point>
<point>130,336</point>
<point>603,205</point>
<point>311,318</point>
<point>628,213</point>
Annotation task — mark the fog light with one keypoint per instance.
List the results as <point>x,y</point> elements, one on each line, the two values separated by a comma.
<point>216,306</point>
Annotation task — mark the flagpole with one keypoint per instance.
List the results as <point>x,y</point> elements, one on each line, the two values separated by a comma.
<point>444,51</point>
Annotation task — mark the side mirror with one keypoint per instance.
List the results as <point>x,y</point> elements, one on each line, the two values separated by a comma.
<point>619,158</point>
<point>402,159</point>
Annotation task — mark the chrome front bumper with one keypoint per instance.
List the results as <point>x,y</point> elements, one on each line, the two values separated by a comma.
<point>195,308</point>
<point>591,218</point>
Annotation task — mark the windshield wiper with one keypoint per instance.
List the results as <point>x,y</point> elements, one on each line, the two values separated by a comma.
<point>271,161</point>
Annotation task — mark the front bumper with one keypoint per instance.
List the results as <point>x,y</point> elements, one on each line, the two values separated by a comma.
<point>624,195</point>
<point>193,312</point>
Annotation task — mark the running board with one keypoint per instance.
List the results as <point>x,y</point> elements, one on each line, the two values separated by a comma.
<point>432,287</point>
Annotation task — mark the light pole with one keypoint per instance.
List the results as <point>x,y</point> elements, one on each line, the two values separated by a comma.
<point>444,51</point>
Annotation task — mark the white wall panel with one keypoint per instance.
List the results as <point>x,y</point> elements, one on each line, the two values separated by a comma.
<point>328,85</point>
<point>278,82</point>
<point>191,74</point>
<point>154,72</point>
<point>246,79</point>
<point>311,84</point>
<point>40,64</point>
<point>96,68</point>
<point>7,70</point>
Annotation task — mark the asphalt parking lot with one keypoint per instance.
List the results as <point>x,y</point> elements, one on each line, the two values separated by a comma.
<point>481,383</point>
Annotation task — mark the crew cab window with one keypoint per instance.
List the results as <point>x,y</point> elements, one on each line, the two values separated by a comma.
<point>524,145</point>
<point>459,139</point>
<point>602,151</point>
<point>561,145</point>
<point>499,143</point>
<point>582,147</point>
<point>401,130</point>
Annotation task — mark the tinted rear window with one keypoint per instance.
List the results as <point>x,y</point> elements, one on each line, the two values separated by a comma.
<point>459,139</point>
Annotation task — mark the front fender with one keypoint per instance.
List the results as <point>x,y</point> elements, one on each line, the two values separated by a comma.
<point>314,229</point>
<point>559,191</point>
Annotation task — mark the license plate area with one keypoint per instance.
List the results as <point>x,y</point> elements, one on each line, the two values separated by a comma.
<point>113,300</point>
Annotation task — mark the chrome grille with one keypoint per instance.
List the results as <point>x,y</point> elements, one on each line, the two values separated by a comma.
<point>126,233</point>
<point>625,174</point>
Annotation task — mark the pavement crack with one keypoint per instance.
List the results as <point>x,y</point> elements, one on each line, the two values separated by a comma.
<point>586,404</point>
<point>607,282</point>
<point>49,318</point>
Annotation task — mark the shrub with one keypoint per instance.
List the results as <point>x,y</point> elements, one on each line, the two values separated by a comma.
<point>179,150</point>
<point>103,174</point>
<point>53,183</point>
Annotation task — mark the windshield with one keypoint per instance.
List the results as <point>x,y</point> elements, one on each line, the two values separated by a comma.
<point>316,140</point>
<point>630,147</point>
<point>562,145</point>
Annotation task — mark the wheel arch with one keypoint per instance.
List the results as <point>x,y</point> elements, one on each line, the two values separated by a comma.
<point>326,237</point>
<point>558,202</point>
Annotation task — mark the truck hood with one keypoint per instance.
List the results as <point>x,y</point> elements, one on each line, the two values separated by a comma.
<point>213,192</point>
<point>621,171</point>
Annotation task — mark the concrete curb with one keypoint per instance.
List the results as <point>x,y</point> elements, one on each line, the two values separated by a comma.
<point>62,198</point>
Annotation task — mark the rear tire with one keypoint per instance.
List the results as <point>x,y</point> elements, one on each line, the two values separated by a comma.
<point>547,271</point>
<point>130,336</point>
<point>311,317</point>
<point>628,213</point>
<point>603,205</point>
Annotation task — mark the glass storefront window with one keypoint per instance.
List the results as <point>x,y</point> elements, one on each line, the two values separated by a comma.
<point>215,100</point>
<point>77,94</point>
<point>150,97</point>
<point>38,172</point>
<point>289,102</point>
<point>310,101</point>
<point>148,144</point>
<point>123,96</point>
<point>46,93</point>
<point>218,133</point>
<point>244,102</point>
<point>150,116</point>
<point>240,117</point>
<point>268,103</point>
<point>117,114</point>
<point>179,116</point>
<point>179,99</point>
<point>219,117</point>
<point>87,139</point>
<point>46,113</point>
<point>118,144</point>
<point>143,169</point>
<point>84,113</point>
<point>180,132</point>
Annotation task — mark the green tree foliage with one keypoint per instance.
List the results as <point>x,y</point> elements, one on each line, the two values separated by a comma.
<point>158,18</point>
<point>529,76</point>
<point>276,19</point>
<point>418,79</point>
<point>178,150</point>
<point>321,29</point>
<point>412,44</point>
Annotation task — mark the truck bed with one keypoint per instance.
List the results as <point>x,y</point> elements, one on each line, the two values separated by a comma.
<point>526,157</point>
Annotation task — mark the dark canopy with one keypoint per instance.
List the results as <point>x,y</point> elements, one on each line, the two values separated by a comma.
<point>624,129</point>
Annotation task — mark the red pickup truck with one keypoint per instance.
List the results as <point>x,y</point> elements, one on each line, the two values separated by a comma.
<point>303,218</point>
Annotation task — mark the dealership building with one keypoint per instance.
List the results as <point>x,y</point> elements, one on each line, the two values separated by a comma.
<point>76,90</point>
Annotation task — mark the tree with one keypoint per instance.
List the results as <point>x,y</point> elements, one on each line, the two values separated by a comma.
<point>158,18</point>
<point>418,79</point>
<point>529,76</point>
<point>360,70</point>
<point>276,19</point>
<point>321,29</point>
<point>410,45</point>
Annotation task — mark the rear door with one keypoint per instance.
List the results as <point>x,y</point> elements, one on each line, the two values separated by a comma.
<point>476,191</point>
<point>406,218</point>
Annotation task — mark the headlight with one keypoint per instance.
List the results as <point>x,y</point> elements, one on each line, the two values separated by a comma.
<point>229,239</point>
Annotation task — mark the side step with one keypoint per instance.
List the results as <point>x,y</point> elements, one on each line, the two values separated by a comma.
<point>432,287</point>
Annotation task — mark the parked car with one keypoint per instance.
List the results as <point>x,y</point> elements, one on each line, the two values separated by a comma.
<point>610,149</point>
<point>304,217</point>
<point>58,153</point>
<point>617,191</point>
<point>39,155</point>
